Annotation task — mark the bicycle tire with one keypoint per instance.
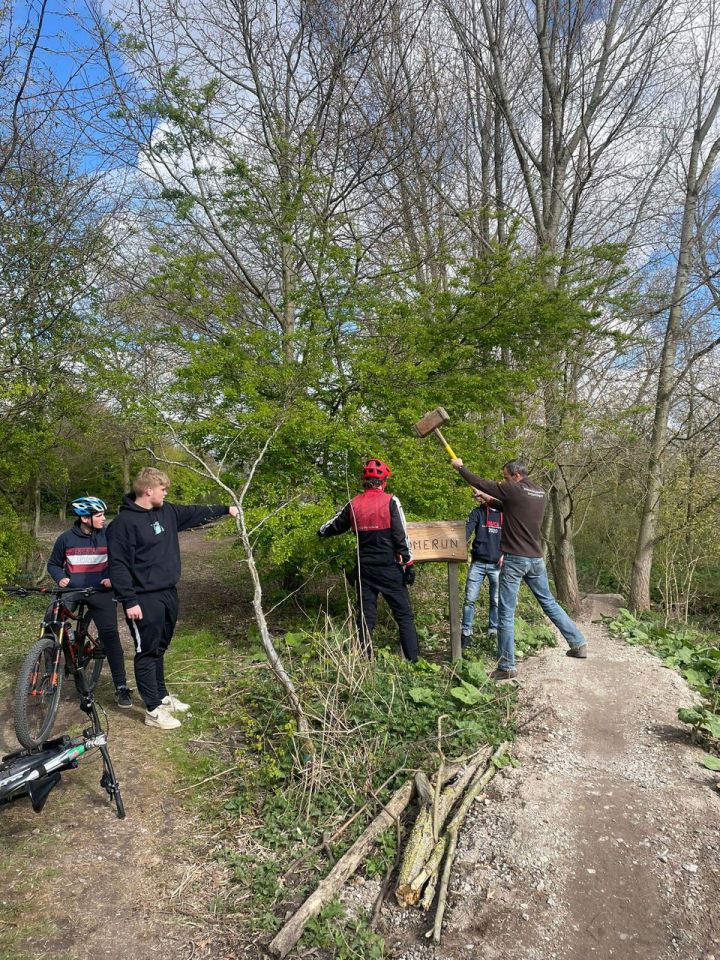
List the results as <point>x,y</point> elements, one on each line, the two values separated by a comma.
<point>34,713</point>
<point>93,665</point>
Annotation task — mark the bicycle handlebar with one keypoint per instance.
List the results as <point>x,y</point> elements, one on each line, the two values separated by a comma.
<point>54,591</point>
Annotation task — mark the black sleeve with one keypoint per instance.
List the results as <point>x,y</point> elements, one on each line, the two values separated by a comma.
<point>56,562</point>
<point>471,522</point>
<point>196,515</point>
<point>121,556</point>
<point>340,523</point>
<point>487,486</point>
<point>401,543</point>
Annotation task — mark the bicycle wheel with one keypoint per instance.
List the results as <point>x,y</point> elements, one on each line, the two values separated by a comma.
<point>91,654</point>
<point>37,693</point>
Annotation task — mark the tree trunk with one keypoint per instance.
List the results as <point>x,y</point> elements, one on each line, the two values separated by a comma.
<point>564,567</point>
<point>645,546</point>
<point>37,504</point>
<point>126,464</point>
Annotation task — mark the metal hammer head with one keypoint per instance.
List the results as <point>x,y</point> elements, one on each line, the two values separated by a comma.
<point>431,421</point>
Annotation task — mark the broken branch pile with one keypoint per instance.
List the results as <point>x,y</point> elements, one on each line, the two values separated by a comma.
<point>427,850</point>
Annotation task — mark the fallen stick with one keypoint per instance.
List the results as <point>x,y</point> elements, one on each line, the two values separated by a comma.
<point>286,939</point>
<point>425,838</point>
<point>474,790</point>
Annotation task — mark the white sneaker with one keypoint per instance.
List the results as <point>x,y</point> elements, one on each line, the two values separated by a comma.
<point>171,703</point>
<point>160,718</point>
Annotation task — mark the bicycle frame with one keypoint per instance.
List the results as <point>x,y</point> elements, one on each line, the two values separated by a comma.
<point>35,771</point>
<point>59,624</point>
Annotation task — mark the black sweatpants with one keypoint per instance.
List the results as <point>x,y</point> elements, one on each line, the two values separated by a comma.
<point>103,608</point>
<point>388,581</point>
<point>151,636</point>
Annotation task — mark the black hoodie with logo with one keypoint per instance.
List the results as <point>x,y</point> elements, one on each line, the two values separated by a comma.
<point>143,547</point>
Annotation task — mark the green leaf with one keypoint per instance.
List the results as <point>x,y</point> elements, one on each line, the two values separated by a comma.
<point>467,693</point>
<point>711,762</point>
<point>711,723</point>
<point>421,695</point>
<point>502,761</point>
<point>295,639</point>
<point>476,672</point>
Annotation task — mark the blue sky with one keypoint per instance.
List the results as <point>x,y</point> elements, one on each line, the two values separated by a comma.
<point>67,52</point>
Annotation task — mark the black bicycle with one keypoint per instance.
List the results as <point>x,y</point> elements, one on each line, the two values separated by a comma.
<point>33,773</point>
<point>68,643</point>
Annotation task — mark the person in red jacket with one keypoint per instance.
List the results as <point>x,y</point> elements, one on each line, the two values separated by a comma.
<point>385,564</point>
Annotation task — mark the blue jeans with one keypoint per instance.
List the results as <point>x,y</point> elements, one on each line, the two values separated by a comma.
<point>532,570</point>
<point>479,569</point>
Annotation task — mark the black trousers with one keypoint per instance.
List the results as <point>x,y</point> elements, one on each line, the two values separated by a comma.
<point>103,610</point>
<point>151,636</point>
<point>388,581</point>
<point>104,613</point>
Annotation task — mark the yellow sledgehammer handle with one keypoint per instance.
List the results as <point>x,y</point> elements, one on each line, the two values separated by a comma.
<point>443,441</point>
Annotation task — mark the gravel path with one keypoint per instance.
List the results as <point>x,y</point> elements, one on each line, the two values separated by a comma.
<point>604,842</point>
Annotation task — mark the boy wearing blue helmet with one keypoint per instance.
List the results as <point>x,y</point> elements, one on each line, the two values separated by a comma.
<point>80,559</point>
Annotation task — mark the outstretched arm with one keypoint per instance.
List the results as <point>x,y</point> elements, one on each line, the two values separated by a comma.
<point>484,486</point>
<point>197,515</point>
<point>340,523</point>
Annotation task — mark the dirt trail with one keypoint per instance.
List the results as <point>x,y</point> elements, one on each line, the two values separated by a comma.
<point>604,842</point>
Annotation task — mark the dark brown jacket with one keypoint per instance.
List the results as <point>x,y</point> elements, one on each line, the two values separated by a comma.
<point>523,508</point>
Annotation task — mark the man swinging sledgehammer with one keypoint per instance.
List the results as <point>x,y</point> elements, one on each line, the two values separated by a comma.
<point>385,564</point>
<point>523,506</point>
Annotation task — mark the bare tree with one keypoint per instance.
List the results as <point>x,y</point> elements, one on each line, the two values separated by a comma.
<point>696,165</point>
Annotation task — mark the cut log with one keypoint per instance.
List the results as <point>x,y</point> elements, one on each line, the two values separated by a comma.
<point>423,788</point>
<point>428,824</point>
<point>286,939</point>
<point>474,790</point>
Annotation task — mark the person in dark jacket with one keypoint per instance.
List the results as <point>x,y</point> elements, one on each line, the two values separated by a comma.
<point>385,564</point>
<point>523,509</point>
<point>484,525</point>
<point>79,559</point>
<point>144,555</point>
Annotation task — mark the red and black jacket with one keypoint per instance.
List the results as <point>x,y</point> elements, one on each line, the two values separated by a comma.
<point>83,557</point>
<point>379,523</point>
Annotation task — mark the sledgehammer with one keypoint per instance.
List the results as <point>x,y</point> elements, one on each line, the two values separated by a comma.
<point>431,423</point>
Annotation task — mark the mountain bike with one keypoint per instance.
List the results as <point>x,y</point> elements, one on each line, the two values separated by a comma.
<point>34,772</point>
<point>68,643</point>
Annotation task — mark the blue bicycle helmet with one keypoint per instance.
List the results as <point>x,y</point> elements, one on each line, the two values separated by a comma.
<point>88,506</point>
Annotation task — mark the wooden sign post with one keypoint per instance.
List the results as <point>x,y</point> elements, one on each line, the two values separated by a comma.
<point>443,541</point>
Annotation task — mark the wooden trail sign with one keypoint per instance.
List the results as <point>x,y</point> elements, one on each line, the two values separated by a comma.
<point>443,541</point>
<point>440,540</point>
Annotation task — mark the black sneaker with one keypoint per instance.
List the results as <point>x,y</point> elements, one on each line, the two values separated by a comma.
<point>122,695</point>
<point>465,639</point>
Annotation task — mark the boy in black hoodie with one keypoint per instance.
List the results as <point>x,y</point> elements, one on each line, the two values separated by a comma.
<point>79,559</point>
<point>144,568</point>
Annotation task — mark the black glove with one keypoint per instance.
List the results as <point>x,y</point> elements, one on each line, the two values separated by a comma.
<point>409,574</point>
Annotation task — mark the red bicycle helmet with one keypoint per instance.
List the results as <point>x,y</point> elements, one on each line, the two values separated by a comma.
<point>376,470</point>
